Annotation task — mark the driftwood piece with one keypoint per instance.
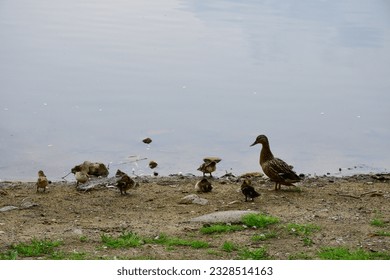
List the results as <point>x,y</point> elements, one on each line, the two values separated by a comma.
<point>371,193</point>
<point>98,182</point>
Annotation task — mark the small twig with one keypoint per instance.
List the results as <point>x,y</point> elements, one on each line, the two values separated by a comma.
<point>348,195</point>
<point>356,197</point>
<point>66,175</point>
<point>370,192</point>
<point>128,162</point>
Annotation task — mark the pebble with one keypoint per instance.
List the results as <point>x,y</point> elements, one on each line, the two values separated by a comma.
<point>193,199</point>
<point>233,217</point>
<point>77,231</point>
<point>8,208</point>
<point>28,204</point>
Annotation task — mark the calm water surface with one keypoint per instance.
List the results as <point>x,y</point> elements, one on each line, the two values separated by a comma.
<point>88,80</point>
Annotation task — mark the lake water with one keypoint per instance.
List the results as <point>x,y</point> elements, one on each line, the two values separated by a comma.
<point>88,80</point>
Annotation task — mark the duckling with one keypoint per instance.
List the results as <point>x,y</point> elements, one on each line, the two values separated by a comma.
<point>92,168</point>
<point>42,181</point>
<point>208,167</point>
<point>153,164</point>
<point>119,173</point>
<point>248,190</point>
<point>203,186</point>
<point>81,177</point>
<point>124,183</point>
<point>276,169</point>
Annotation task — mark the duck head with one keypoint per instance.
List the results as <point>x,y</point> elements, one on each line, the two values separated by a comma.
<point>261,139</point>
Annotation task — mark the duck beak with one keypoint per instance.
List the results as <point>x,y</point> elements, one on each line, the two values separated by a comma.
<point>254,143</point>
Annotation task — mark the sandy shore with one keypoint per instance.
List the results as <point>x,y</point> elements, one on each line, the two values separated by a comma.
<point>340,212</point>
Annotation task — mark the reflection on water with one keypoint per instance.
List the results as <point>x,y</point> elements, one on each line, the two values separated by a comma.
<point>89,80</point>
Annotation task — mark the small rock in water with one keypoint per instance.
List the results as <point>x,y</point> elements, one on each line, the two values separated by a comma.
<point>152,164</point>
<point>147,140</point>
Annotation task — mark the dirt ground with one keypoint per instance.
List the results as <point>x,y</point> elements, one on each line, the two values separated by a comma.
<point>342,208</point>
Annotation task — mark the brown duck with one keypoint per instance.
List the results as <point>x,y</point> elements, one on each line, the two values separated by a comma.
<point>276,169</point>
<point>42,181</point>
<point>208,167</point>
<point>203,186</point>
<point>124,182</point>
<point>248,190</point>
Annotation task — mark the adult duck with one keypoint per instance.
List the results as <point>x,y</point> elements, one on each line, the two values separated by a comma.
<point>276,169</point>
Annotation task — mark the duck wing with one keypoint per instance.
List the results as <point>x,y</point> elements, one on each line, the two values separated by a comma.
<point>202,167</point>
<point>279,171</point>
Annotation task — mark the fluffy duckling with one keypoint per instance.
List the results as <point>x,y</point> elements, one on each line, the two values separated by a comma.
<point>248,190</point>
<point>92,168</point>
<point>124,183</point>
<point>42,181</point>
<point>81,177</point>
<point>119,173</point>
<point>276,169</point>
<point>203,186</point>
<point>208,167</point>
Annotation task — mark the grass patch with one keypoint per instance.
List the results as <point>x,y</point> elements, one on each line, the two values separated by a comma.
<point>258,220</point>
<point>174,241</point>
<point>130,239</point>
<point>60,255</point>
<point>300,256</point>
<point>249,220</point>
<point>83,238</point>
<point>9,255</point>
<point>229,247</point>
<point>302,229</point>
<point>125,240</point>
<point>307,241</point>
<point>220,228</point>
<point>377,222</point>
<point>40,248</point>
<point>341,253</point>
<point>213,252</point>
<point>263,236</point>
<point>35,248</point>
<point>382,233</point>
<point>253,254</point>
